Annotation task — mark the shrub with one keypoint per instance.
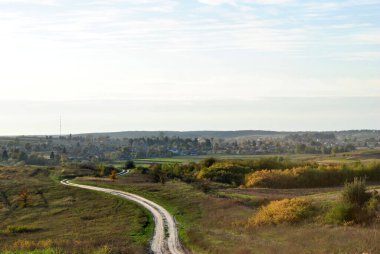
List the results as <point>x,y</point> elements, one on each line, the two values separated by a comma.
<point>224,172</point>
<point>312,176</point>
<point>143,170</point>
<point>355,192</point>
<point>103,250</point>
<point>356,205</point>
<point>208,162</point>
<point>271,163</point>
<point>22,246</point>
<point>157,173</point>
<point>283,211</point>
<point>340,213</point>
<point>22,229</point>
<point>204,186</point>
<point>113,175</point>
<point>129,164</point>
<point>373,203</point>
<point>87,165</point>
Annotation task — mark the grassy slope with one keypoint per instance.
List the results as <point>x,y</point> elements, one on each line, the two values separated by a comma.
<point>75,220</point>
<point>216,223</point>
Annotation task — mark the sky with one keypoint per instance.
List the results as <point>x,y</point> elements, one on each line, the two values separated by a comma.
<point>114,65</point>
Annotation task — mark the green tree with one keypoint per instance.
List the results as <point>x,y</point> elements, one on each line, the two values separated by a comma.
<point>5,155</point>
<point>158,174</point>
<point>129,164</point>
<point>300,148</point>
<point>101,169</point>
<point>208,162</point>
<point>23,156</point>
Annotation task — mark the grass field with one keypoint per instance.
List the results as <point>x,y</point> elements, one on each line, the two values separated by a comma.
<point>66,219</point>
<point>356,156</point>
<point>216,223</point>
<point>79,221</point>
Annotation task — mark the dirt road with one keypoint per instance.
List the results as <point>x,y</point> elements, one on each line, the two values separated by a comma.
<point>165,239</point>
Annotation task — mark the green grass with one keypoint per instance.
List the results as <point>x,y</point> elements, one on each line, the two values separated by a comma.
<point>161,198</point>
<point>45,251</point>
<point>245,199</point>
<point>213,223</point>
<point>72,221</point>
<point>21,229</point>
<point>351,157</point>
<point>367,155</point>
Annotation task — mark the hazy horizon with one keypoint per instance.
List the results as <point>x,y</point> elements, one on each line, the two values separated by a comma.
<point>306,114</point>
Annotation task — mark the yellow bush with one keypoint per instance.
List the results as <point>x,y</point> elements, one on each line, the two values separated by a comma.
<point>286,210</point>
<point>300,177</point>
<point>45,244</point>
<point>23,244</point>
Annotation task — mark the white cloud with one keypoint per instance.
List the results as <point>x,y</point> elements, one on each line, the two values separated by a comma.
<point>217,2</point>
<point>362,56</point>
<point>111,26</point>
<point>31,2</point>
<point>372,37</point>
<point>235,2</point>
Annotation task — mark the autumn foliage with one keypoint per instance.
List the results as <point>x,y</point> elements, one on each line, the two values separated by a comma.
<point>312,176</point>
<point>282,211</point>
<point>113,175</point>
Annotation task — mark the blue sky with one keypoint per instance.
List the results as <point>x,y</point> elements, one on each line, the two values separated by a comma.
<point>229,59</point>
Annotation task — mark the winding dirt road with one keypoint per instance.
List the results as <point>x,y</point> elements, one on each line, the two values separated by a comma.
<point>165,239</point>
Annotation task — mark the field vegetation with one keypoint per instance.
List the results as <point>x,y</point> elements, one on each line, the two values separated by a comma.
<point>268,172</point>
<point>225,220</point>
<point>282,211</point>
<point>356,205</point>
<point>39,215</point>
<point>313,176</point>
<point>216,202</point>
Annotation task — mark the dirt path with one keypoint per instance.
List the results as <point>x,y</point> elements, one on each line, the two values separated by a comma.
<point>165,239</point>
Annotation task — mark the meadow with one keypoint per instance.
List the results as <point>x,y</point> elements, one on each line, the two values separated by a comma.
<point>59,219</point>
<point>214,213</point>
<point>218,221</point>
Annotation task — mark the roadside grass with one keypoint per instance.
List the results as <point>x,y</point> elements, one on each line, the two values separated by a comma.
<point>188,205</point>
<point>217,222</point>
<point>69,220</point>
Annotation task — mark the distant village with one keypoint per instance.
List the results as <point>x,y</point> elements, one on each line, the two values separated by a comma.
<point>53,150</point>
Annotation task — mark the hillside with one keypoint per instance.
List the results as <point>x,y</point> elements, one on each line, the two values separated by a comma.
<point>188,134</point>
